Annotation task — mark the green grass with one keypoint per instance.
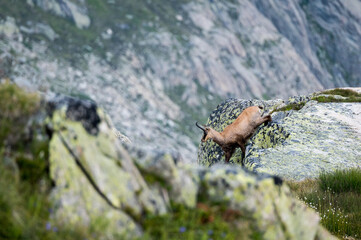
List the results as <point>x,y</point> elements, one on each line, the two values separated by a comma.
<point>16,106</point>
<point>336,197</point>
<point>342,181</point>
<point>350,95</point>
<point>25,209</point>
<point>203,222</point>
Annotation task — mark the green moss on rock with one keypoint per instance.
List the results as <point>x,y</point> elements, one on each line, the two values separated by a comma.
<point>337,95</point>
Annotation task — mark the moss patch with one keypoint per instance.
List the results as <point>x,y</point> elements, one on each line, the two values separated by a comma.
<point>291,106</point>
<point>342,92</point>
<point>326,99</point>
<point>25,142</point>
<point>347,95</point>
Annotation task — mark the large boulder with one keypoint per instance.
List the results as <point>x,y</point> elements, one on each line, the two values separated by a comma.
<point>298,144</point>
<point>93,175</point>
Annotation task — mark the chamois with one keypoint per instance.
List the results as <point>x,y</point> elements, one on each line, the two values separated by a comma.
<point>236,134</point>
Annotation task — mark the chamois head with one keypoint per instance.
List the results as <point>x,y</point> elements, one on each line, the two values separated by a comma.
<point>205,130</point>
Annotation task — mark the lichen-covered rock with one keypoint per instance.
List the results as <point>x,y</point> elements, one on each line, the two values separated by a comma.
<point>263,200</point>
<point>297,144</point>
<point>321,137</point>
<point>92,173</point>
<point>75,200</point>
<point>274,213</point>
<point>181,184</point>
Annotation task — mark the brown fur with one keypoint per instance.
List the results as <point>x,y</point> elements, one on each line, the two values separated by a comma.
<point>236,134</point>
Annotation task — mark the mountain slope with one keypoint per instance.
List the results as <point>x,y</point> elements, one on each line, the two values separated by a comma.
<point>158,66</point>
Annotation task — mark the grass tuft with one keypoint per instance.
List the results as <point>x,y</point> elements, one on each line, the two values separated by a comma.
<point>342,181</point>
<point>336,197</point>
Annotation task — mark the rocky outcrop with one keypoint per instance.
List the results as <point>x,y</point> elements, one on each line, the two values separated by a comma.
<point>94,178</point>
<point>298,144</point>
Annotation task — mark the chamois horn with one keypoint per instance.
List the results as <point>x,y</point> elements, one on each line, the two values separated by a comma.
<point>200,127</point>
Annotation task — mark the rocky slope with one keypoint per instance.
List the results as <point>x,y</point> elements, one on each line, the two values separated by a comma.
<point>157,66</point>
<point>298,144</point>
<point>93,176</point>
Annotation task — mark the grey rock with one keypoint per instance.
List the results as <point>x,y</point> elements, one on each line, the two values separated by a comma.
<point>65,8</point>
<point>298,144</point>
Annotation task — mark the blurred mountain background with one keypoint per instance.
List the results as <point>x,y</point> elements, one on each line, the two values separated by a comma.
<point>157,66</point>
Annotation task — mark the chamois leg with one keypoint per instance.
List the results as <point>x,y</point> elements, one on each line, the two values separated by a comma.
<point>243,148</point>
<point>266,120</point>
<point>228,154</point>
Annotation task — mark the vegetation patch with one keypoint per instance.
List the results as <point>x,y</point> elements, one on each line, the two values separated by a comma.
<point>336,197</point>
<point>203,222</point>
<point>289,107</point>
<point>347,94</point>
<point>25,210</point>
<point>342,92</point>
<point>16,106</point>
<point>24,182</point>
<point>342,181</point>
<point>326,99</point>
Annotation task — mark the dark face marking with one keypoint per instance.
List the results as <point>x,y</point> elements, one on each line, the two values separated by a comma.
<point>204,136</point>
